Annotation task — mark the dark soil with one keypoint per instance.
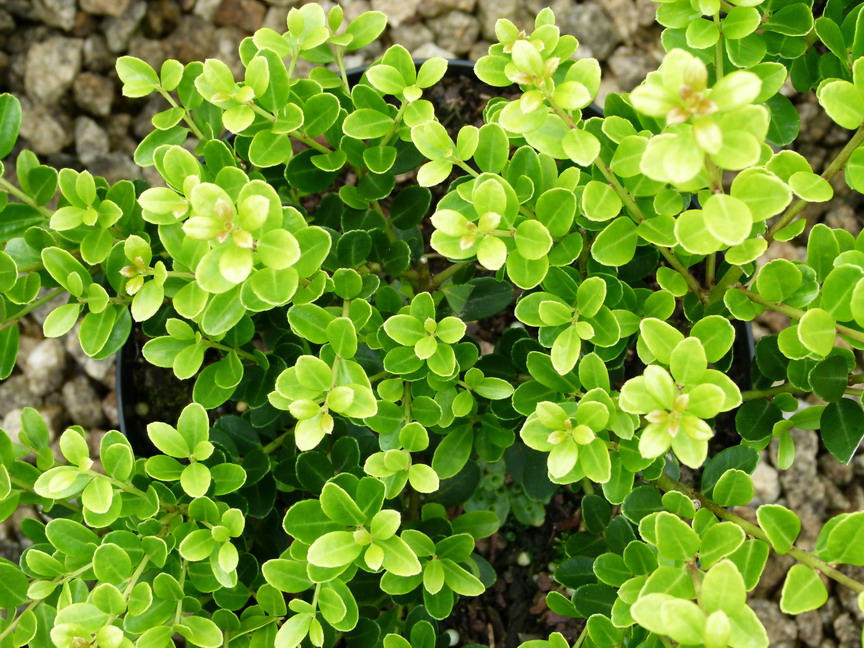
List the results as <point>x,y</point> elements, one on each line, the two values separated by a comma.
<point>146,393</point>
<point>514,609</point>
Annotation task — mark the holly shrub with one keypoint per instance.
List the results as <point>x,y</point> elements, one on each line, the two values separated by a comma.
<point>293,264</point>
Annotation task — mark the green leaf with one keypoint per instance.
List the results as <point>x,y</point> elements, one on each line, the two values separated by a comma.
<point>676,540</point>
<point>843,102</point>
<point>842,428</point>
<point>780,524</point>
<point>728,219</point>
<point>734,488</point>
<point>816,330</point>
<point>111,564</point>
<point>195,479</point>
<point>719,541</point>
<point>778,280</point>
<point>10,123</point>
<point>366,123</point>
<point>364,29</point>
<point>803,590</point>
<point>600,202</point>
<point>269,149</point>
<point>13,586</point>
<point>616,245</point>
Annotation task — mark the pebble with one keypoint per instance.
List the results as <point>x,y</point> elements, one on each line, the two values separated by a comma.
<point>780,627</point>
<point>52,66</point>
<point>432,8</point>
<point>104,7</point>
<point>119,30</point>
<point>82,403</point>
<point>590,24</point>
<point>91,140</point>
<point>810,631</point>
<point>431,49</point>
<point>43,129</point>
<point>245,14</point>
<point>97,56</point>
<point>412,36</point>
<point>101,371</point>
<point>455,31</point>
<point>57,13</point>
<point>15,392</point>
<point>489,11</point>
<point>161,18</point>
<point>398,11</point>
<point>45,367</point>
<point>93,93</point>
<point>766,484</point>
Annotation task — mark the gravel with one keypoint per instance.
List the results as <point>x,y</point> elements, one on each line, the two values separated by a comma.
<point>58,56</point>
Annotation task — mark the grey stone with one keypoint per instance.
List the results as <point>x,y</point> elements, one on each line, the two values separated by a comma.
<point>589,23</point>
<point>104,7</point>
<point>51,414</point>
<point>224,48</point>
<point>57,13</point>
<point>101,371</point>
<point>22,9</point>
<point>810,631</point>
<point>781,628</point>
<point>152,50</point>
<point>91,140</point>
<point>119,30</point>
<point>412,36</point>
<point>489,11</point>
<point>7,22</point>
<point>848,633</point>
<point>93,93</point>
<point>45,366</point>
<point>97,56</point>
<point>352,9</point>
<point>455,31</point>
<point>15,392</point>
<point>245,14</point>
<point>206,9</point>
<point>630,65</point>
<point>766,484</point>
<point>82,403</point>
<point>45,132</point>
<point>192,40</point>
<point>398,11</point>
<point>109,408</point>
<point>275,18</point>
<point>114,166</point>
<point>432,8</point>
<point>161,18</point>
<point>478,50</point>
<point>431,49</point>
<point>52,66</point>
<point>12,424</point>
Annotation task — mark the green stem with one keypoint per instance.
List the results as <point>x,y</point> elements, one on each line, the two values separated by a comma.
<point>187,116</point>
<point>23,197</point>
<point>222,347</point>
<point>445,274</point>
<point>33,604</point>
<point>636,214</point>
<point>300,137</point>
<point>718,51</point>
<point>666,483</point>
<point>277,443</point>
<point>339,53</point>
<point>797,314</point>
<point>755,394</point>
<point>734,273</point>
<point>33,306</point>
